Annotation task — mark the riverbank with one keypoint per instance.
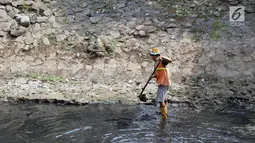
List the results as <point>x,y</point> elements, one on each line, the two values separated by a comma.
<point>58,90</point>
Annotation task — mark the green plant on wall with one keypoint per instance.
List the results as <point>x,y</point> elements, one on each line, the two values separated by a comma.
<point>181,11</point>
<point>196,37</point>
<point>47,78</point>
<point>217,27</point>
<point>52,38</point>
<point>26,7</point>
<point>111,46</point>
<point>214,34</point>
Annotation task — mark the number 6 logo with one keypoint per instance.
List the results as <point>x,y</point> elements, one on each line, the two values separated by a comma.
<point>236,13</point>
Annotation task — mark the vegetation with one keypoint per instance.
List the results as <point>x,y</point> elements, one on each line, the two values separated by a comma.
<point>111,46</point>
<point>26,7</point>
<point>52,38</point>
<point>217,27</point>
<point>2,92</point>
<point>47,78</point>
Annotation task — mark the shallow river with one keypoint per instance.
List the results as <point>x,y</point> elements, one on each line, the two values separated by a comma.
<point>99,123</point>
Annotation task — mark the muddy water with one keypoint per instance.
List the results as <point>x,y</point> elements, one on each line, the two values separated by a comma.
<point>119,123</point>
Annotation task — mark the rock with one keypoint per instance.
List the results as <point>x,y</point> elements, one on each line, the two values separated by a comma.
<point>147,22</point>
<point>216,13</point>
<point>88,67</point>
<point>46,1</point>
<point>20,45</point>
<point>33,19</point>
<point>144,64</point>
<point>233,2</point>
<point>142,34</point>
<point>219,58</point>
<point>46,41</point>
<point>246,2</point>
<point>2,33</point>
<point>19,39</point>
<point>52,19</point>
<point>47,12</point>
<point>49,31</point>
<point>172,25</point>
<point>193,16</point>
<point>18,30</point>
<point>36,27</point>
<point>249,9</point>
<point>3,15</point>
<point>22,19</point>
<point>187,25</point>
<point>139,27</point>
<point>121,5</point>
<point>253,55</point>
<point>29,40</point>
<point>2,67</point>
<point>41,19</point>
<point>28,2</point>
<point>26,48</point>
<point>152,29</point>
<point>55,25</point>
<point>15,10</point>
<point>94,20</point>
<point>6,2</point>
<point>38,35</point>
<point>247,59</point>
<point>61,37</point>
<point>193,5</point>
<point>115,34</point>
<point>2,7</point>
<point>8,8</point>
<point>203,61</point>
<point>11,14</point>
<point>133,67</point>
<point>19,3</point>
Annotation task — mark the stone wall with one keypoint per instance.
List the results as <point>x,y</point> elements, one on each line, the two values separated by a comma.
<point>109,40</point>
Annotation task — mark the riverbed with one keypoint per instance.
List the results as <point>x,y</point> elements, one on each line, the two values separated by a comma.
<point>49,123</point>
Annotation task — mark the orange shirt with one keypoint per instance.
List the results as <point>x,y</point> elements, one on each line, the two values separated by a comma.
<point>162,77</point>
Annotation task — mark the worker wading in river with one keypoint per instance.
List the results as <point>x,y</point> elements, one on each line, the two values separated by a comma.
<point>162,79</point>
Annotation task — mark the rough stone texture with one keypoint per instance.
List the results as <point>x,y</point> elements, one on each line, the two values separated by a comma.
<point>36,27</point>
<point>8,8</point>
<point>94,20</point>
<point>22,19</point>
<point>5,2</point>
<point>109,43</point>
<point>2,7</point>
<point>41,19</point>
<point>46,41</point>
<point>61,37</point>
<point>2,33</point>
<point>18,31</point>
<point>29,40</point>
<point>3,15</point>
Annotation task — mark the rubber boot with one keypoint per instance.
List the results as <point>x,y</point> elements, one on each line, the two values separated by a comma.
<point>163,112</point>
<point>166,105</point>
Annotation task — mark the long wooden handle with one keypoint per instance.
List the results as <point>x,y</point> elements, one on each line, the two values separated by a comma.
<point>149,78</point>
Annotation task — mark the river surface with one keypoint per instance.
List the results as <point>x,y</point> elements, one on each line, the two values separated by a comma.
<point>100,123</point>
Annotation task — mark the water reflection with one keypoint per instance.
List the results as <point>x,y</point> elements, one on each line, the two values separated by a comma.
<point>119,123</point>
<point>164,132</point>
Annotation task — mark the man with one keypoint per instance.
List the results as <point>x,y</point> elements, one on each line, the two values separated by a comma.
<point>162,79</point>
